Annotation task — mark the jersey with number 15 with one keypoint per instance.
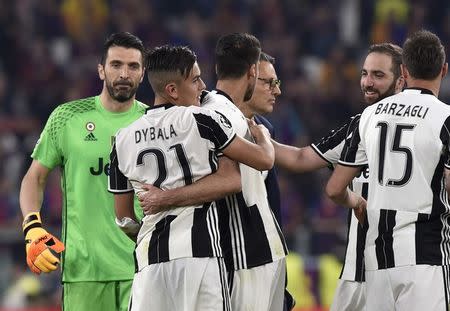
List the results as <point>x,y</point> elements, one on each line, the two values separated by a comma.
<point>405,141</point>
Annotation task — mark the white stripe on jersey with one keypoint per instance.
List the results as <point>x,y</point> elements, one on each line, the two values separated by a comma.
<point>446,273</point>
<point>237,236</point>
<point>213,225</point>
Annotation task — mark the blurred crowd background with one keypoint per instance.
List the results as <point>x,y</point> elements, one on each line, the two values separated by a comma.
<point>49,54</point>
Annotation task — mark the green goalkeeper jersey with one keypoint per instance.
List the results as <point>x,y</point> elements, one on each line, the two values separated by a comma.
<point>78,137</point>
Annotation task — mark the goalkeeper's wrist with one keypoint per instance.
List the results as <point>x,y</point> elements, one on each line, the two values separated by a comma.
<point>30,221</point>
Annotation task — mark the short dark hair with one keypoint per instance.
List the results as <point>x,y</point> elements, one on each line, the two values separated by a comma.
<point>126,40</point>
<point>235,54</point>
<point>392,50</point>
<point>166,64</point>
<point>264,57</point>
<point>423,55</point>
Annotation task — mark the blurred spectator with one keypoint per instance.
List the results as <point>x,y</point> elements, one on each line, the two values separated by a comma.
<point>299,282</point>
<point>85,20</point>
<point>329,269</point>
<point>328,222</point>
<point>390,24</point>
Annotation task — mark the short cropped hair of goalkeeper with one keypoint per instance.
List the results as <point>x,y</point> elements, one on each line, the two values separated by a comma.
<point>97,264</point>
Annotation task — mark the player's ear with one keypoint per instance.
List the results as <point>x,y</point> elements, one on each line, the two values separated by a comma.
<point>400,84</point>
<point>404,70</point>
<point>253,71</point>
<point>142,76</point>
<point>172,90</point>
<point>101,72</point>
<point>444,70</point>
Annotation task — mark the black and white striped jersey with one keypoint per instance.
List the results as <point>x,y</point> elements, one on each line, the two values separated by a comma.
<point>250,233</point>
<point>171,147</point>
<point>330,148</point>
<point>405,141</point>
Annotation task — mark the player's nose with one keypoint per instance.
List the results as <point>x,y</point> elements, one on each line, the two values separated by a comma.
<point>202,85</point>
<point>124,73</point>
<point>276,90</point>
<point>367,81</point>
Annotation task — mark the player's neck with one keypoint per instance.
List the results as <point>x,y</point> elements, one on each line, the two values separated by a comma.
<point>162,99</point>
<point>113,105</point>
<point>432,85</point>
<point>159,100</point>
<point>246,111</point>
<point>234,88</point>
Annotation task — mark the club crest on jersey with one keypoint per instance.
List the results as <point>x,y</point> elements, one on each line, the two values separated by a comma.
<point>224,120</point>
<point>90,126</point>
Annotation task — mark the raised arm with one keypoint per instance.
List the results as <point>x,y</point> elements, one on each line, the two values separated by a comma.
<point>299,160</point>
<point>225,181</point>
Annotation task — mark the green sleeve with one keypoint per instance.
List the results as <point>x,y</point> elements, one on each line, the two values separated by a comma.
<point>48,149</point>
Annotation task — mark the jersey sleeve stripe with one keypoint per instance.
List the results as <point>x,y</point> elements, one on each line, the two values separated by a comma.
<point>351,164</point>
<point>320,154</point>
<point>352,143</point>
<point>228,142</point>
<point>335,137</point>
<point>117,182</point>
<point>119,191</point>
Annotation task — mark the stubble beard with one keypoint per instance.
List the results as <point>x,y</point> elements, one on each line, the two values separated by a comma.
<point>389,92</point>
<point>121,96</point>
<point>249,92</point>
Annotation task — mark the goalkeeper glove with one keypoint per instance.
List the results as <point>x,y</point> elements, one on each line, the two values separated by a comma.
<point>39,245</point>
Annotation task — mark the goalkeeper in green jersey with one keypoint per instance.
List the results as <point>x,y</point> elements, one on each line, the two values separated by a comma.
<point>97,263</point>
